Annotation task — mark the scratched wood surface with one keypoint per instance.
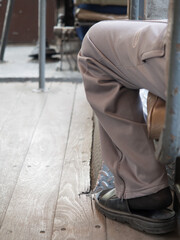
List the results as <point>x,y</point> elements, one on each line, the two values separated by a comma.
<point>45,156</point>
<point>21,110</point>
<point>75,216</point>
<point>45,152</point>
<point>9,94</point>
<point>41,123</point>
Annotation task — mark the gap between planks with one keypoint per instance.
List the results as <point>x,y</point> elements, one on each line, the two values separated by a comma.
<point>31,209</point>
<point>21,111</point>
<point>75,216</point>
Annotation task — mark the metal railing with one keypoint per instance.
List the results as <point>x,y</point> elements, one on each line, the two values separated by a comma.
<point>42,37</point>
<point>5,30</point>
<point>42,44</point>
<point>136,9</point>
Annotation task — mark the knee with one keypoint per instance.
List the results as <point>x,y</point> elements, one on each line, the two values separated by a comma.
<point>94,38</point>
<point>97,30</point>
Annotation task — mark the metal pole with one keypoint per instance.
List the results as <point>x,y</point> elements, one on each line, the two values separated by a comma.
<point>5,30</point>
<point>134,9</point>
<point>141,10</point>
<point>171,134</point>
<point>177,187</point>
<point>42,43</point>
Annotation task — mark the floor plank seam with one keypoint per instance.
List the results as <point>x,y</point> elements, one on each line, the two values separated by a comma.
<point>67,140</point>
<point>91,158</point>
<point>74,97</point>
<point>24,158</point>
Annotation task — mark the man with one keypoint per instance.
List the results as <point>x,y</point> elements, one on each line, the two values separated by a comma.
<point>117,59</point>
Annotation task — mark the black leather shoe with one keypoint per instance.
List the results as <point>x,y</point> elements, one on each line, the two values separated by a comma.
<point>149,221</point>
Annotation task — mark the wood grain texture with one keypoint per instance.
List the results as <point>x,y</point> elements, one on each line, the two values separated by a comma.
<point>31,210</point>
<point>9,95</point>
<point>16,133</point>
<point>75,216</point>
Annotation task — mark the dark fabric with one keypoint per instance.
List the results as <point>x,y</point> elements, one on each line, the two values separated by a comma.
<point>119,10</point>
<point>104,9</point>
<point>156,201</point>
<point>69,17</point>
<point>113,202</point>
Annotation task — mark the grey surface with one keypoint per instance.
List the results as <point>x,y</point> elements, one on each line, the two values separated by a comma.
<point>18,66</point>
<point>134,9</point>
<point>157,9</point>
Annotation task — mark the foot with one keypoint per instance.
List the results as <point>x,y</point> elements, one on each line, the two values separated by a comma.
<point>154,221</point>
<point>155,201</point>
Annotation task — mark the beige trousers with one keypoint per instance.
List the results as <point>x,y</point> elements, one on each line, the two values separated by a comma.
<point>117,59</point>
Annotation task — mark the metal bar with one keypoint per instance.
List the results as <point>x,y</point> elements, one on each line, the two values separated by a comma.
<point>69,18</point>
<point>141,10</point>
<point>177,191</point>
<point>62,50</point>
<point>171,134</point>
<point>134,9</point>
<point>177,179</point>
<point>42,43</point>
<point>177,187</point>
<point>5,30</point>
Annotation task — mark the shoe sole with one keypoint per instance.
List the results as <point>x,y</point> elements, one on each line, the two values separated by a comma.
<point>140,223</point>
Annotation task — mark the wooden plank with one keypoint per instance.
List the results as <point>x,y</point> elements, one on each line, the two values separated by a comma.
<point>16,135</point>
<point>31,210</point>
<point>75,216</point>
<point>116,231</point>
<point>9,94</point>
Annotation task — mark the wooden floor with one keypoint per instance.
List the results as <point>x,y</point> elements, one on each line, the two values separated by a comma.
<point>45,151</point>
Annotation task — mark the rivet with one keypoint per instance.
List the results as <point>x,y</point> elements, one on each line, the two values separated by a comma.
<point>63,229</point>
<point>97,226</point>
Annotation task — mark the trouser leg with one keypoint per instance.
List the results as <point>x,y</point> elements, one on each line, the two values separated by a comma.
<point>112,63</point>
